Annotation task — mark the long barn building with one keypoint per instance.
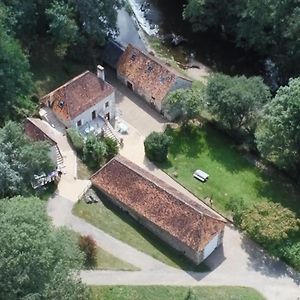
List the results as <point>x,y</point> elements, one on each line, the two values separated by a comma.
<point>184,224</point>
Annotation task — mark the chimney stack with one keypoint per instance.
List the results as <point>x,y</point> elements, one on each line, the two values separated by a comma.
<point>100,72</point>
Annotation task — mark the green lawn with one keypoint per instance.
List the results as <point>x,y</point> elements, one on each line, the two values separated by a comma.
<point>123,227</point>
<point>231,174</point>
<point>173,293</point>
<point>106,261</point>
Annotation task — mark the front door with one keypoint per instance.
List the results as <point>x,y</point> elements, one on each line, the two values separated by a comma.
<point>107,117</point>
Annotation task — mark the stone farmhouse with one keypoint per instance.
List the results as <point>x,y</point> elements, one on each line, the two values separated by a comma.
<point>184,224</point>
<point>86,102</point>
<point>148,77</point>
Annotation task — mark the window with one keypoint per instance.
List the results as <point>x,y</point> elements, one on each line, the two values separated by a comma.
<point>93,115</point>
<point>79,123</point>
<point>106,104</point>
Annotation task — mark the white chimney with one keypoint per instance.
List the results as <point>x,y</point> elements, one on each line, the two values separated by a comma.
<point>100,72</point>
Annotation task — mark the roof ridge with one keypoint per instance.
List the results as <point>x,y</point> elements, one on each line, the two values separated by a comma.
<point>68,82</point>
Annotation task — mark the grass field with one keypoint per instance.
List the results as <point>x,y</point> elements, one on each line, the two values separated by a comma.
<point>232,176</point>
<point>125,228</point>
<point>106,261</point>
<point>173,293</point>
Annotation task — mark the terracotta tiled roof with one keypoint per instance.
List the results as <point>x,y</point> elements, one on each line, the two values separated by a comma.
<point>147,74</point>
<point>77,95</point>
<point>162,205</point>
<point>35,133</point>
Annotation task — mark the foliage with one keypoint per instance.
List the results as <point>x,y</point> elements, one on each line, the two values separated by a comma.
<point>237,208</point>
<point>94,151</point>
<point>15,78</point>
<point>62,26</point>
<point>156,146</point>
<point>269,223</point>
<point>65,21</point>
<point>270,27</point>
<point>112,147</point>
<point>184,103</point>
<point>88,246</point>
<point>290,251</point>
<point>20,159</point>
<point>278,136</point>
<point>236,101</point>
<point>36,261</point>
<point>76,139</point>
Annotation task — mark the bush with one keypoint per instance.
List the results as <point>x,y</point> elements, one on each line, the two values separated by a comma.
<point>94,151</point>
<point>76,139</point>
<point>157,146</point>
<point>112,147</point>
<point>88,246</point>
<point>237,207</point>
<point>269,224</point>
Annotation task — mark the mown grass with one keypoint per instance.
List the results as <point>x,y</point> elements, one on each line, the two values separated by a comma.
<point>106,261</point>
<point>174,293</point>
<point>232,176</point>
<point>123,227</point>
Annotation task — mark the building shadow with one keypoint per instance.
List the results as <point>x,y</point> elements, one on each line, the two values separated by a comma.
<point>260,261</point>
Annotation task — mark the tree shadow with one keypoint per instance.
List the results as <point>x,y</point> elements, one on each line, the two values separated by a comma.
<point>186,140</point>
<point>222,149</point>
<point>175,256</point>
<point>279,190</point>
<point>260,261</point>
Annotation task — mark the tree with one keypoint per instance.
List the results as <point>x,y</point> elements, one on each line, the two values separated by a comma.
<point>112,147</point>
<point>88,246</point>
<point>278,136</point>
<point>184,103</point>
<point>270,27</point>
<point>269,223</point>
<point>94,151</point>
<point>15,78</point>
<point>62,26</point>
<point>20,159</point>
<point>97,18</point>
<point>236,101</point>
<point>36,261</point>
<point>157,146</point>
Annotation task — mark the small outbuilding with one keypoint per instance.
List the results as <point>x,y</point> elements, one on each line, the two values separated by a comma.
<point>184,224</point>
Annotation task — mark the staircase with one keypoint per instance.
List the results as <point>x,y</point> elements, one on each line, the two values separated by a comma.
<point>109,131</point>
<point>59,158</point>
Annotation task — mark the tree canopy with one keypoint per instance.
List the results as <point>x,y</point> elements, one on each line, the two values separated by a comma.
<point>184,104</point>
<point>270,27</point>
<point>236,101</point>
<point>36,261</point>
<point>15,78</point>
<point>278,136</point>
<point>20,159</point>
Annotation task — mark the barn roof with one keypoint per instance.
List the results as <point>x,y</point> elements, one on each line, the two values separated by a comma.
<point>77,95</point>
<point>146,73</point>
<point>148,196</point>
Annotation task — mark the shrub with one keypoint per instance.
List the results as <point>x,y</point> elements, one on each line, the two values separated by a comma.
<point>157,146</point>
<point>269,223</point>
<point>76,139</point>
<point>88,246</point>
<point>94,151</point>
<point>237,207</point>
<point>112,147</point>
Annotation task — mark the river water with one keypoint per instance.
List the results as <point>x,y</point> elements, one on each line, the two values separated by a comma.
<point>162,17</point>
